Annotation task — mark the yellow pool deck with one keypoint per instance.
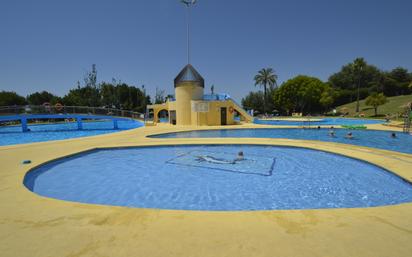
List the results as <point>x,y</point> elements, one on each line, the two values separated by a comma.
<point>32,225</point>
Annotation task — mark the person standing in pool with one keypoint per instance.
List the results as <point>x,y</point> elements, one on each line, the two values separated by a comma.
<point>331,132</point>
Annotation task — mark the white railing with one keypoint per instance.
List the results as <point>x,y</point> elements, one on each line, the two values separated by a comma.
<point>56,109</point>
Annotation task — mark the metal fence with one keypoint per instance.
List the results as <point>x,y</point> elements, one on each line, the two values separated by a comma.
<point>49,109</point>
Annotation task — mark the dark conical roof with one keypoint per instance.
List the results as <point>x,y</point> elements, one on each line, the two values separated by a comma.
<point>189,74</point>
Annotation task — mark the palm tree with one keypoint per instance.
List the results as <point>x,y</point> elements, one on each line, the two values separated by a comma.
<point>358,65</point>
<point>266,77</point>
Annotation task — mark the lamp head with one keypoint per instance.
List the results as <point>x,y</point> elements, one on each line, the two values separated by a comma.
<point>188,2</point>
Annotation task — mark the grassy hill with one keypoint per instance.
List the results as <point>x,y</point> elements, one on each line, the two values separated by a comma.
<point>393,106</point>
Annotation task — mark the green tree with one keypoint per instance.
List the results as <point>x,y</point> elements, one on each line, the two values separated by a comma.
<point>119,95</point>
<point>357,73</point>
<point>255,101</point>
<point>303,94</point>
<point>87,95</point>
<point>39,98</point>
<point>108,95</point>
<point>396,82</point>
<point>125,95</point>
<point>266,78</point>
<point>376,100</point>
<point>11,98</point>
<point>327,98</point>
<point>83,96</point>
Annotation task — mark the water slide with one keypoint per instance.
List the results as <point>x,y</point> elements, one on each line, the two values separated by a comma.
<point>243,113</point>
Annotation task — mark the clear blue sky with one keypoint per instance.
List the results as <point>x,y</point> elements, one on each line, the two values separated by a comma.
<point>50,44</point>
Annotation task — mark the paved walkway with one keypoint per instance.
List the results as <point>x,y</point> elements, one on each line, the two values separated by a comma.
<point>31,225</point>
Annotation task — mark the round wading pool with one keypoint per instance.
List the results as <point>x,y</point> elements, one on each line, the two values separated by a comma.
<point>212,177</point>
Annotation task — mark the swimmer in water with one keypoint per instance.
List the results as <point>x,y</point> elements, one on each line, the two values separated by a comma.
<point>211,159</point>
<point>349,136</point>
<point>240,156</point>
<point>393,135</point>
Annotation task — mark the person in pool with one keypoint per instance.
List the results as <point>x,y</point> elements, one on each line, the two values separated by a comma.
<point>349,136</point>
<point>240,156</point>
<point>331,132</point>
<point>211,159</point>
<point>393,135</point>
<point>318,127</point>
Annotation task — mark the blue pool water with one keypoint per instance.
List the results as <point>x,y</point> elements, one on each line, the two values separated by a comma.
<point>11,135</point>
<point>150,177</point>
<point>369,138</point>
<point>324,121</point>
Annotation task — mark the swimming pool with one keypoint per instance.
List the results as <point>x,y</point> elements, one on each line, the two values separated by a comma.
<point>369,138</point>
<point>170,177</point>
<point>324,121</point>
<point>11,135</point>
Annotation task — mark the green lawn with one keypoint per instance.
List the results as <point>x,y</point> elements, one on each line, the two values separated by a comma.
<point>393,106</point>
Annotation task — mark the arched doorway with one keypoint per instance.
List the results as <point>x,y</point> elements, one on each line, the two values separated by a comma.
<point>163,116</point>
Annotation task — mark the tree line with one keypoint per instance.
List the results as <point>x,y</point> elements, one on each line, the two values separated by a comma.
<point>309,95</point>
<point>112,95</point>
<point>305,94</point>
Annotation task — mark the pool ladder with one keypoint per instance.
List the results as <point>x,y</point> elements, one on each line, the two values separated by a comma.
<point>407,119</point>
<point>306,122</point>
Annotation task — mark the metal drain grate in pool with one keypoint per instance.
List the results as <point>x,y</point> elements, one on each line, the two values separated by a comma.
<point>252,164</point>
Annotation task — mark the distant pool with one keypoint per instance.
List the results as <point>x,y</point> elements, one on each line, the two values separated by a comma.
<point>11,135</point>
<point>170,177</point>
<point>324,121</point>
<point>369,138</point>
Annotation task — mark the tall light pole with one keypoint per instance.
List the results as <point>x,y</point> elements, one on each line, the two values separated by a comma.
<point>188,3</point>
<point>359,81</point>
<point>358,65</point>
<point>144,100</point>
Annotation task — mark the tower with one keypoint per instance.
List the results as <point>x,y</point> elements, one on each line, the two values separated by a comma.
<point>189,85</point>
